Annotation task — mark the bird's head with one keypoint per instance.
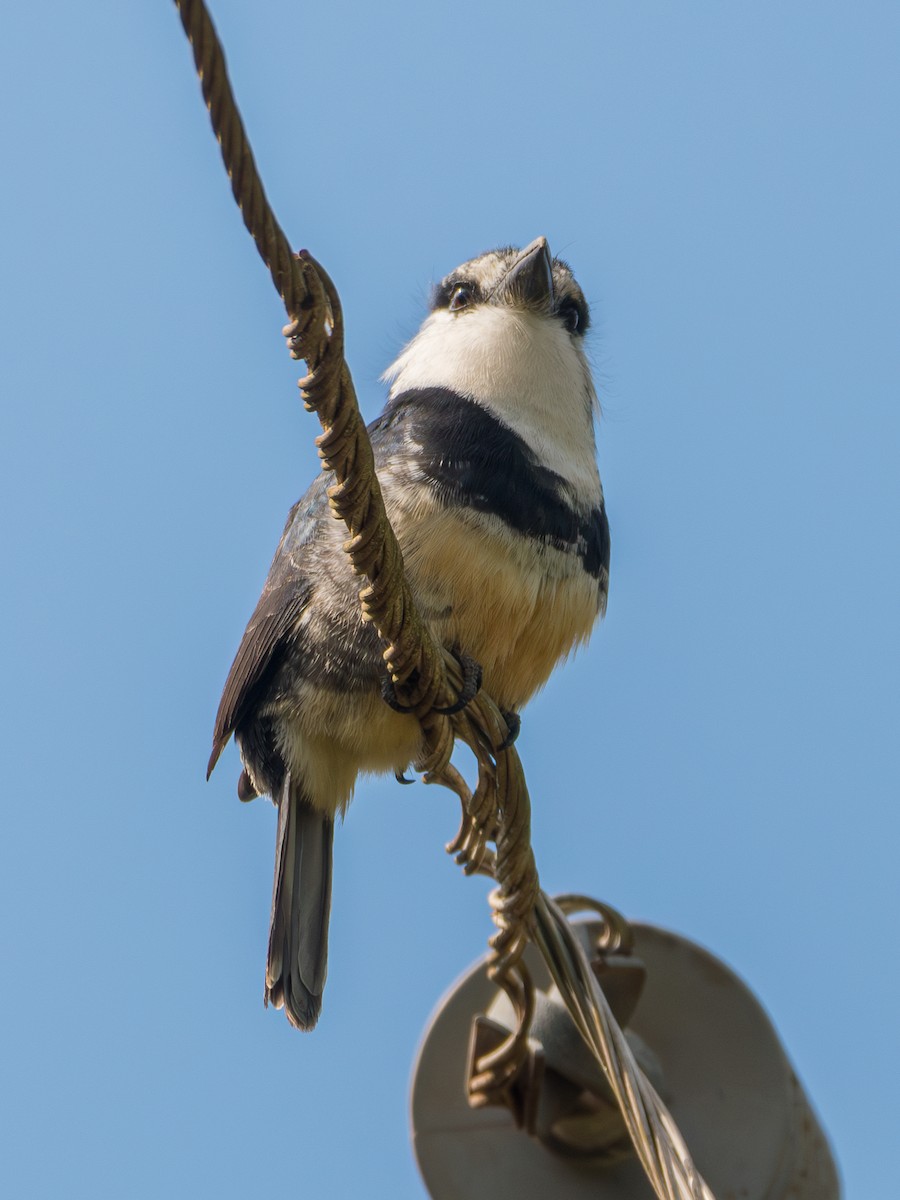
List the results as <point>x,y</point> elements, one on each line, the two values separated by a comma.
<point>506,329</point>
<point>522,281</point>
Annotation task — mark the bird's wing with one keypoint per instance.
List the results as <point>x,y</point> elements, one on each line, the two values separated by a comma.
<point>273,624</point>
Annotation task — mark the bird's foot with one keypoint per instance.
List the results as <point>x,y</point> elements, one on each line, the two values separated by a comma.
<point>471,686</point>
<point>389,696</point>
<point>513,726</point>
<point>471,671</point>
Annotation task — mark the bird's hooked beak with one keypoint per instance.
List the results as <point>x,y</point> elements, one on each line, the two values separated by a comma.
<point>529,281</point>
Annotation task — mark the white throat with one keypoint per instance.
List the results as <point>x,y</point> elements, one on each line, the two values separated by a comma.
<point>523,368</point>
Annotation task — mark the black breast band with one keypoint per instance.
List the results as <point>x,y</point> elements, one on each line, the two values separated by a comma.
<point>475,461</point>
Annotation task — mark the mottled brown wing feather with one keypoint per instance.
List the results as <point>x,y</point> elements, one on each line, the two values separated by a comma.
<point>258,656</point>
<point>284,597</point>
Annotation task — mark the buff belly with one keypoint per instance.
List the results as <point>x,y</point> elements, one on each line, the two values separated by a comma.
<point>514,605</point>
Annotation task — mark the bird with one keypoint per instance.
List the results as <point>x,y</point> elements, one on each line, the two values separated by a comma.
<point>486,455</point>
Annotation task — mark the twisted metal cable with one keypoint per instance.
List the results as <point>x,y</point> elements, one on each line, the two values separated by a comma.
<point>246,185</point>
<point>430,677</point>
<point>655,1136</point>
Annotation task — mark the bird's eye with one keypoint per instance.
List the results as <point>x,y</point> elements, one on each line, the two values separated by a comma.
<point>572,316</point>
<point>461,298</point>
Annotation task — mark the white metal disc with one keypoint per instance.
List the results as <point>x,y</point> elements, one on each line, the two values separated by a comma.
<point>728,1085</point>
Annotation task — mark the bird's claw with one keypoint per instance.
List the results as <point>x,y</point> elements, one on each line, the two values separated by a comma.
<point>471,686</point>
<point>513,726</point>
<point>389,696</point>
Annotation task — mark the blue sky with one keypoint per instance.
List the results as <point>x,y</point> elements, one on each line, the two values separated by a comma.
<point>723,760</point>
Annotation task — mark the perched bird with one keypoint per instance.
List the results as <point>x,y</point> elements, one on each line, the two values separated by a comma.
<point>486,456</point>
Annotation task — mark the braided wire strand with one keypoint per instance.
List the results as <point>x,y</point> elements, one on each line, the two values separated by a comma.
<point>656,1138</point>
<point>499,809</point>
<point>414,660</point>
<point>246,185</point>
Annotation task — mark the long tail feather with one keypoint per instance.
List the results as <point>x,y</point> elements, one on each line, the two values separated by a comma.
<point>301,904</point>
